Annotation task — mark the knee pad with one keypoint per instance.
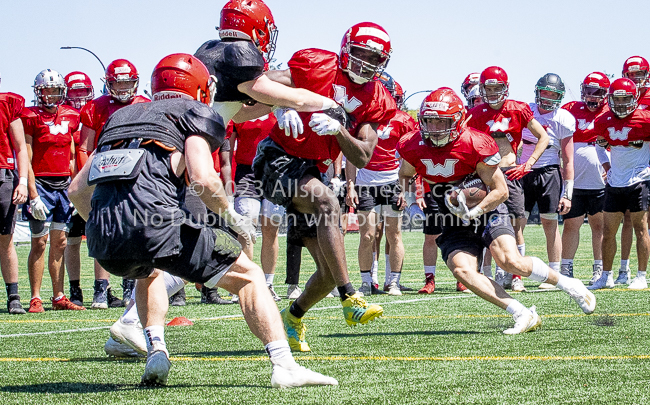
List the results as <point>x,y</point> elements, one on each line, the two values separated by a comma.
<point>38,228</point>
<point>540,270</point>
<point>551,217</point>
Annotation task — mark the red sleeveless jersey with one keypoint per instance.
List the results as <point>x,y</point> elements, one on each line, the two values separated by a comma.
<point>11,107</point>
<point>509,120</point>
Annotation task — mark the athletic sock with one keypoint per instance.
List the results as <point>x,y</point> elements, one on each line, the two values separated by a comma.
<point>345,291</point>
<point>366,277</point>
<point>296,311</point>
<point>12,288</point>
<point>554,265</point>
<point>153,334</point>
<point>640,273</point>
<point>567,262</point>
<point>394,277</point>
<point>515,307</point>
<point>598,262</point>
<point>74,283</point>
<point>625,264</point>
<point>373,273</point>
<point>564,282</point>
<point>280,353</point>
<point>429,270</point>
<point>522,249</point>
<point>269,278</point>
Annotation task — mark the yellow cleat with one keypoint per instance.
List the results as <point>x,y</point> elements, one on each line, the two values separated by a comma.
<point>296,331</point>
<point>356,310</point>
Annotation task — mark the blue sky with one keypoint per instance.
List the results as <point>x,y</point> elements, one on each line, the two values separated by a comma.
<point>435,43</point>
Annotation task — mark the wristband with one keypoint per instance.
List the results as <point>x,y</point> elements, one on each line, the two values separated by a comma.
<point>475,212</point>
<point>568,189</point>
<point>23,181</point>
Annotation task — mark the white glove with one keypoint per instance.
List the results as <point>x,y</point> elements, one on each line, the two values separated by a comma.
<point>289,120</point>
<point>38,209</point>
<point>240,224</point>
<point>323,124</point>
<point>336,184</point>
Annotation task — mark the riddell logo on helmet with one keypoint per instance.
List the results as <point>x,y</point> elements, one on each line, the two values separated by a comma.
<point>373,32</point>
<point>437,105</point>
<point>77,77</point>
<point>122,69</point>
<point>166,96</point>
<point>595,76</point>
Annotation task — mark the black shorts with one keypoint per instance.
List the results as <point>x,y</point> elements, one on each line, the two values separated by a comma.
<point>8,183</point>
<point>544,187</point>
<point>515,201</point>
<point>432,219</point>
<point>343,194</point>
<point>77,227</point>
<point>279,173</point>
<point>586,202</point>
<point>473,240</point>
<point>621,199</point>
<point>372,196</point>
<point>245,183</point>
<point>205,252</point>
<point>300,226</point>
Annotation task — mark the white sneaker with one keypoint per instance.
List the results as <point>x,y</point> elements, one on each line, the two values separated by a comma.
<point>298,376</point>
<point>518,285</point>
<point>582,296</point>
<point>503,279</point>
<point>275,295</point>
<point>393,289</point>
<point>235,298</point>
<point>546,286</point>
<point>130,334</point>
<point>603,282</point>
<point>158,365</point>
<point>117,349</point>
<point>365,289</point>
<point>623,277</point>
<point>526,321</point>
<point>293,292</point>
<point>598,271</point>
<point>639,283</point>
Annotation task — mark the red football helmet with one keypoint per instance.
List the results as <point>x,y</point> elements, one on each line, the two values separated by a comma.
<point>491,76</point>
<point>623,97</point>
<point>365,52</point>
<point>122,80</point>
<point>180,73</point>
<point>250,20</point>
<point>470,81</point>
<point>80,89</point>
<point>636,68</point>
<point>441,115</point>
<point>399,96</point>
<point>593,90</point>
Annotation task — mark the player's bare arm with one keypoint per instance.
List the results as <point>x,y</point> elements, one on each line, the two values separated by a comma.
<point>567,174</point>
<point>406,173</point>
<point>80,192</point>
<point>203,178</point>
<point>542,141</point>
<point>17,136</point>
<point>86,143</point>
<point>358,150</point>
<point>31,180</point>
<point>494,179</point>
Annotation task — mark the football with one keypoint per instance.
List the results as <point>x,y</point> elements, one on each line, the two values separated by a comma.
<point>473,188</point>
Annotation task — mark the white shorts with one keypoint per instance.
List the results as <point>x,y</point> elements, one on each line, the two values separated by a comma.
<point>386,211</point>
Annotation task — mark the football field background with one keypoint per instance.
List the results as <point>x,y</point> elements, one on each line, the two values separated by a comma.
<point>442,348</point>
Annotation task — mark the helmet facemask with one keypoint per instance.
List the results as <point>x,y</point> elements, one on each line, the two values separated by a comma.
<point>79,97</point>
<point>547,98</point>
<point>438,130</point>
<point>593,96</point>
<point>50,96</point>
<point>491,93</point>
<point>364,62</point>
<point>125,91</point>
<point>622,104</point>
<point>638,76</point>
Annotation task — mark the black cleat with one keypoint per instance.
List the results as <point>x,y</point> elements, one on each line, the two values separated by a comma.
<point>113,301</point>
<point>178,299</point>
<point>13,305</point>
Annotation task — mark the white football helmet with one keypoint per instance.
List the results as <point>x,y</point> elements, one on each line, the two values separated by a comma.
<point>50,79</point>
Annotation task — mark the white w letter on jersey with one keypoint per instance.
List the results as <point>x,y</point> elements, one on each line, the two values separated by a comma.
<point>618,135</point>
<point>501,126</point>
<point>584,125</point>
<point>437,169</point>
<point>61,128</point>
<point>384,133</point>
<point>341,97</point>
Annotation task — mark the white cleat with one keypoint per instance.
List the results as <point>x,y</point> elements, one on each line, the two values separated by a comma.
<point>158,365</point>
<point>298,376</point>
<point>598,272</point>
<point>639,283</point>
<point>526,321</point>
<point>293,292</point>
<point>117,349</point>
<point>518,285</point>
<point>503,279</point>
<point>393,289</point>
<point>130,334</point>
<point>603,282</point>
<point>582,296</point>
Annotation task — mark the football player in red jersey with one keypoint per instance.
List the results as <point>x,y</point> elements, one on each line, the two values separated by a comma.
<point>289,167</point>
<point>635,68</point>
<point>80,92</point>
<point>373,191</point>
<point>444,152</point>
<point>626,130</point>
<point>504,120</point>
<point>122,83</point>
<point>589,183</point>
<point>543,184</point>
<point>48,132</point>
<point>14,170</point>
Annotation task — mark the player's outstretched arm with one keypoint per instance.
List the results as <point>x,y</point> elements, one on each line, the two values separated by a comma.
<point>492,176</point>
<point>276,88</point>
